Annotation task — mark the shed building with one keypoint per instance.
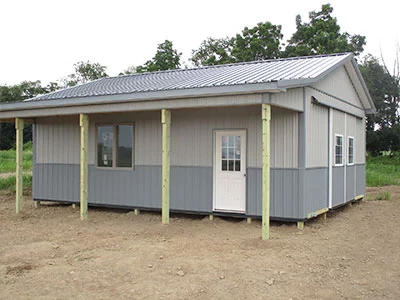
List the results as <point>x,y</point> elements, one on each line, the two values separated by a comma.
<point>202,138</point>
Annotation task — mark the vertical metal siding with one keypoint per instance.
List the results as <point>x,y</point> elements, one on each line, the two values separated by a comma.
<point>192,189</point>
<point>351,182</point>
<point>338,186</point>
<point>360,183</point>
<point>284,193</point>
<point>316,190</point>
<point>292,99</point>
<point>360,141</point>
<point>317,134</point>
<point>58,140</point>
<point>338,83</point>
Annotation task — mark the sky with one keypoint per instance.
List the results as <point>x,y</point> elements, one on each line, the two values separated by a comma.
<point>41,39</point>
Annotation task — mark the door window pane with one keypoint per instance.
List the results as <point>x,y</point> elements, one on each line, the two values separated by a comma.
<point>237,165</point>
<point>224,165</point>
<point>231,165</point>
<point>125,145</point>
<point>105,140</point>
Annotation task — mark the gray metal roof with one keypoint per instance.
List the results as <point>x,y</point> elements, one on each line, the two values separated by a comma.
<point>285,72</point>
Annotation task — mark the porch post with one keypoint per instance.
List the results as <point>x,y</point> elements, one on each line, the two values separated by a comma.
<point>266,118</point>
<point>84,124</point>
<point>166,128</point>
<point>19,126</point>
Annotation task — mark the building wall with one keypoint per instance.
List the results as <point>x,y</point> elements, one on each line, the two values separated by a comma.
<point>192,132</point>
<point>346,91</point>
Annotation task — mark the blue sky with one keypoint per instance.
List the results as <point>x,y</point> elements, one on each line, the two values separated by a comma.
<point>41,39</point>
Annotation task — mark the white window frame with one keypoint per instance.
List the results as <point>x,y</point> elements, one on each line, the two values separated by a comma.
<point>348,150</point>
<point>334,150</point>
<point>114,146</point>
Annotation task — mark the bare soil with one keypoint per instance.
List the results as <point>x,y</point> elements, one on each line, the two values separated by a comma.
<point>48,253</point>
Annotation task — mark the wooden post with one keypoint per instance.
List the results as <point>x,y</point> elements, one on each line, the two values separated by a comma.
<point>300,225</point>
<point>166,128</point>
<point>266,132</point>
<point>84,123</point>
<point>19,126</point>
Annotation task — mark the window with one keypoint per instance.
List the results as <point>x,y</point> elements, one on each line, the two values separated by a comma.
<point>230,155</point>
<point>338,149</point>
<point>350,152</point>
<point>115,146</point>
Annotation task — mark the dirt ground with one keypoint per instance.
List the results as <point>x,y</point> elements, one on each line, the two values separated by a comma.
<point>48,253</point>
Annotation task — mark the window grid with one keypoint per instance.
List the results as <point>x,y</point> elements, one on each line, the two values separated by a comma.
<point>338,150</point>
<point>351,151</point>
<point>230,153</point>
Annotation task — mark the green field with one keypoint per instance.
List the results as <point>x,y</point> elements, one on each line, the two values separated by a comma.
<point>7,165</point>
<point>381,170</point>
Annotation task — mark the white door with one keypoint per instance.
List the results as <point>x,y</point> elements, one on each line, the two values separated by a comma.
<point>230,171</point>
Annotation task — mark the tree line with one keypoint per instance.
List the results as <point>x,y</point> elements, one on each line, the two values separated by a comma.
<point>320,34</point>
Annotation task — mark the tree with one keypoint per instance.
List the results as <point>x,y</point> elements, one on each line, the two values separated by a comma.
<point>166,58</point>
<point>213,52</point>
<point>260,42</point>
<point>15,93</point>
<point>321,35</point>
<point>384,90</point>
<point>85,72</point>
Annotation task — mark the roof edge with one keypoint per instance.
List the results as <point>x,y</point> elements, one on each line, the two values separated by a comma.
<point>270,87</point>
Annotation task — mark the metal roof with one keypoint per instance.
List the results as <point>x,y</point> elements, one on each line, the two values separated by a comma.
<point>286,72</point>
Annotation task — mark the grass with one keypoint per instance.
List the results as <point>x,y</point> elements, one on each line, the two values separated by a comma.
<point>7,159</point>
<point>7,165</point>
<point>8,183</point>
<point>383,196</point>
<point>383,170</point>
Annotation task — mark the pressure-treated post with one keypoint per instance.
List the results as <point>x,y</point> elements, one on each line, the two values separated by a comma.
<point>166,128</point>
<point>84,123</point>
<point>19,126</point>
<point>266,119</point>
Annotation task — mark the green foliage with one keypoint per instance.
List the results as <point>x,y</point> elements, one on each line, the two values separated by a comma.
<point>321,35</point>
<point>213,52</point>
<point>85,72</point>
<point>383,170</point>
<point>166,58</point>
<point>8,157</point>
<point>385,195</point>
<point>8,183</point>
<point>260,42</point>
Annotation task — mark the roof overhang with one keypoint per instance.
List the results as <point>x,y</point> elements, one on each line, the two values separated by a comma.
<point>31,109</point>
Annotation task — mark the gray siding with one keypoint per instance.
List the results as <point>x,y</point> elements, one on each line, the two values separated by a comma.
<point>291,99</point>
<point>339,84</point>
<point>285,201</point>
<point>360,183</point>
<point>317,134</point>
<point>192,189</point>
<point>351,182</point>
<point>360,141</point>
<point>337,186</point>
<point>56,182</point>
<point>316,190</point>
<point>139,188</point>
<point>191,136</point>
